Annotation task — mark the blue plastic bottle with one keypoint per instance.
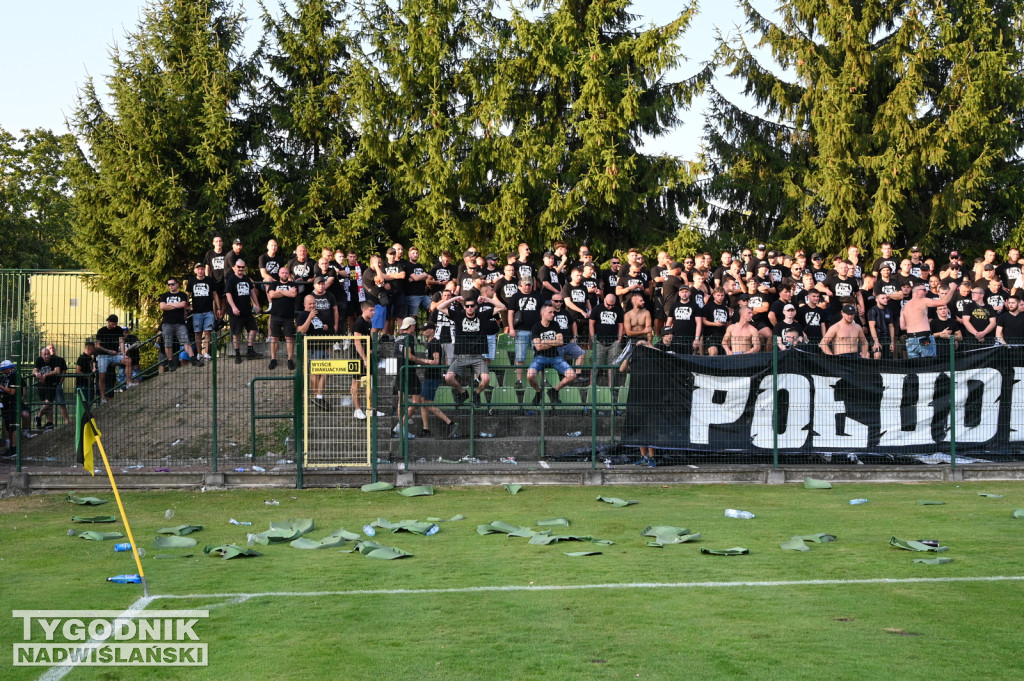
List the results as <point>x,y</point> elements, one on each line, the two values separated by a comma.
<point>125,579</point>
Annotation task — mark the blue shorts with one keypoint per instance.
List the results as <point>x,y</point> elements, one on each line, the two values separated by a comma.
<point>915,348</point>
<point>380,317</point>
<point>428,388</point>
<point>202,321</point>
<point>492,345</point>
<point>559,364</point>
<point>571,351</point>
<point>104,361</point>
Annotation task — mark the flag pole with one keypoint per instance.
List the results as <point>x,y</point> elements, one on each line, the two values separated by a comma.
<point>124,518</point>
<point>93,437</point>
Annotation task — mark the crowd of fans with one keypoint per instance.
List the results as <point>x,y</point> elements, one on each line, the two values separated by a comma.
<point>879,306</point>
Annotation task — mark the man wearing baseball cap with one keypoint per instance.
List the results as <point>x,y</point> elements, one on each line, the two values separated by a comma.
<point>845,338</point>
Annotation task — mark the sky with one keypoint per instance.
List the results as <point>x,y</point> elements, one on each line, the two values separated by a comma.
<point>50,48</point>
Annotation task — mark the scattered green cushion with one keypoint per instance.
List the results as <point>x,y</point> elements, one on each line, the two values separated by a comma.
<point>577,554</point>
<point>173,542</point>
<point>666,534</point>
<point>795,544</point>
<point>498,526</point>
<point>1019,513</point>
<point>94,519</point>
<point>734,551</point>
<point>417,491</point>
<point>513,488</point>
<point>374,550</point>
<point>97,536</point>
<point>334,539</point>
<point>819,538</point>
<point>928,502</point>
<point>910,545</point>
<point>282,531</point>
<point>548,522</point>
<point>455,517</point>
<point>811,483</point>
<point>180,529</point>
<point>615,501</point>
<point>85,501</point>
<point>229,551</point>
<point>414,526</point>
<point>933,561</point>
<point>377,487</point>
<point>990,496</point>
<point>545,539</point>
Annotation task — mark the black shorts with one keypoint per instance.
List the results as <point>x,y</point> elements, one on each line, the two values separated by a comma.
<point>46,392</point>
<point>713,341</point>
<point>282,327</point>
<point>245,321</point>
<point>413,380</point>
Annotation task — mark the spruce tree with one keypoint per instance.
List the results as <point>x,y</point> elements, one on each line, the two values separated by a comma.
<point>157,169</point>
<point>893,121</point>
<point>312,183</point>
<point>578,89</point>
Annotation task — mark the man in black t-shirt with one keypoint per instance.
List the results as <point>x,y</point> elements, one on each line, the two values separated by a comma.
<point>523,313</point>
<point>243,304</point>
<point>302,267</point>
<point>49,371</point>
<point>110,350</point>
<point>85,367</point>
<point>547,338</point>
<point>282,295</point>
<point>470,347</point>
<point>362,329</point>
<point>270,263</point>
<point>215,265</point>
<point>1010,324</point>
<point>978,320</point>
<point>173,305</point>
<point>812,317</point>
<point>201,291</point>
<point>606,333</point>
<point>416,276</point>
<point>716,318</point>
<point>945,330</point>
<point>687,324</point>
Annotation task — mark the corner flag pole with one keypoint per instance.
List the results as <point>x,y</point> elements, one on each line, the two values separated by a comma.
<point>89,440</point>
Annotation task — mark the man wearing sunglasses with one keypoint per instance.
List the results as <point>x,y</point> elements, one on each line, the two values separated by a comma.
<point>173,305</point>
<point>471,332</point>
<point>243,305</point>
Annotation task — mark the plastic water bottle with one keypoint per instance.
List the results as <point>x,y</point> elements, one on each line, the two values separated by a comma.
<point>486,435</point>
<point>733,513</point>
<point>169,513</point>
<point>433,529</point>
<point>574,434</point>
<point>259,469</point>
<point>125,579</point>
<point>369,531</point>
<point>855,502</point>
<point>236,522</point>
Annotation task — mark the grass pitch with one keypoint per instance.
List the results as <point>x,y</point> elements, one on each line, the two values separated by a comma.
<point>633,612</point>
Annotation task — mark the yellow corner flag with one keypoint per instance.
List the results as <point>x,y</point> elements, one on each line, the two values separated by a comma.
<point>90,440</point>
<point>88,437</point>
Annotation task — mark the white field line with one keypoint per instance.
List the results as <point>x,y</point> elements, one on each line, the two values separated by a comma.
<point>242,596</point>
<point>60,671</point>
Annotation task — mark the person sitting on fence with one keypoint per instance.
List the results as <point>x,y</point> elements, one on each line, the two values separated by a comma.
<point>49,371</point>
<point>742,337</point>
<point>547,339</point>
<point>470,346</point>
<point>432,375</point>
<point>110,350</point>
<point>174,306</point>
<point>845,338</point>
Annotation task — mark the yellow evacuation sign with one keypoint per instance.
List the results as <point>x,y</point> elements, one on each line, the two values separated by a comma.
<point>335,366</point>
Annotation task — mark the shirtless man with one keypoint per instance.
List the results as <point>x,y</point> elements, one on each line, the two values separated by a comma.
<point>914,320</point>
<point>742,337</point>
<point>845,338</point>
<point>637,322</point>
